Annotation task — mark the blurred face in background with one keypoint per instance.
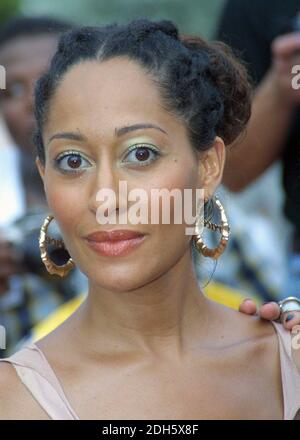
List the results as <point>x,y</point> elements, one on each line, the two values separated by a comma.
<point>25,59</point>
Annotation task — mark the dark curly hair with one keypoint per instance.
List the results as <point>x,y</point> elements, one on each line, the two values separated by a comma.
<point>200,82</point>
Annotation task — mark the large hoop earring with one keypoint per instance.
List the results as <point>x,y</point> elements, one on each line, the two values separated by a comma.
<point>224,229</point>
<point>44,239</point>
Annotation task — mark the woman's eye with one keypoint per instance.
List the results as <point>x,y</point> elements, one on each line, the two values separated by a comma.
<point>72,162</point>
<point>142,155</point>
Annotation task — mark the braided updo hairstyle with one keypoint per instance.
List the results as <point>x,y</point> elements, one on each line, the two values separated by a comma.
<point>200,82</point>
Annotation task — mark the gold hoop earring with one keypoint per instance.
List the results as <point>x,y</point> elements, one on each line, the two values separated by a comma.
<point>224,229</point>
<point>44,239</point>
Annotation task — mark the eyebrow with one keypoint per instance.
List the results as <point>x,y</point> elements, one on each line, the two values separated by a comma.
<point>118,132</point>
<point>68,135</point>
<point>127,129</point>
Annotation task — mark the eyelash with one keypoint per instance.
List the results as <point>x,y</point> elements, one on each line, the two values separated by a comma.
<point>136,147</point>
<point>146,147</point>
<point>67,154</point>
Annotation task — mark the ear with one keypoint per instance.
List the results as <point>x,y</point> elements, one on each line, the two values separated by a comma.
<point>211,166</point>
<point>40,167</point>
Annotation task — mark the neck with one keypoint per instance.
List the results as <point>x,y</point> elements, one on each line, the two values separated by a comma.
<point>165,315</point>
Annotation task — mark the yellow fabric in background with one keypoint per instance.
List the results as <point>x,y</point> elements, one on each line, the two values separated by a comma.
<point>56,318</point>
<point>214,291</point>
<point>227,296</point>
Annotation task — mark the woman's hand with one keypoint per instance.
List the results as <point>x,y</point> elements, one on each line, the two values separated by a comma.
<point>271,312</point>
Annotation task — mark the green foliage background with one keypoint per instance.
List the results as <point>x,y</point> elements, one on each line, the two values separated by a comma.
<point>8,7</point>
<point>192,16</point>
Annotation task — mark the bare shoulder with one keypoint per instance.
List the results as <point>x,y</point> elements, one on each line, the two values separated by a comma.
<point>241,328</point>
<point>16,402</point>
<point>253,346</point>
<point>259,338</point>
<point>60,346</point>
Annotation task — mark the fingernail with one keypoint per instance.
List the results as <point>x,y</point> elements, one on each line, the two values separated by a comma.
<point>289,317</point>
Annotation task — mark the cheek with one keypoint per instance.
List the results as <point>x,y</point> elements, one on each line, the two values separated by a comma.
<point>66,200</point>
<point>177,175</point>
<point>170,239</point>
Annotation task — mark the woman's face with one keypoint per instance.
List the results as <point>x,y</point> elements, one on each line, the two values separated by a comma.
<point>92,103</point>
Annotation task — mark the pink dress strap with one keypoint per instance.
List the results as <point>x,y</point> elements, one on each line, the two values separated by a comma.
<point>37,375</point>
<point>290,374</point>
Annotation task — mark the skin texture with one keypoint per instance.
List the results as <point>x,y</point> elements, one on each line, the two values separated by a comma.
<point>146,344</point>
<point>270,311</point>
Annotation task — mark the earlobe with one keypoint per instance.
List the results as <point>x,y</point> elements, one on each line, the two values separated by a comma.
<point>40,167</point>
<point>221,153</point>
<point>212,166</point>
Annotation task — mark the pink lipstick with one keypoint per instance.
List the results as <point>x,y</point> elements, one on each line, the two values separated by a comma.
<point>115,243</point>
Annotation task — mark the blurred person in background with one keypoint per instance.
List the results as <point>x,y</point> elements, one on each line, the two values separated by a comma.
<point>27,293</point>
<point>266,36</point>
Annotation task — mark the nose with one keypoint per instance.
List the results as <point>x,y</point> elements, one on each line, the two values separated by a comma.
<point>104,192</point>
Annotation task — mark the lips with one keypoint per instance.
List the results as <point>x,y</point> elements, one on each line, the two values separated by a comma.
<point>117,235</point>
<point>115,243</point>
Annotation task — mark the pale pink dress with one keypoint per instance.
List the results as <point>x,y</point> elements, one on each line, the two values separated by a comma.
<point>37,375</point>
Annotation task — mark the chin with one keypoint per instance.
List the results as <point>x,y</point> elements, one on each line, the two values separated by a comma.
<point>121,285</point>
<point>123,279</point>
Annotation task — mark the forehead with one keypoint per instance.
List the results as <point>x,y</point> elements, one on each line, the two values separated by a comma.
<point>111,92</point>
<point>27,53</point>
